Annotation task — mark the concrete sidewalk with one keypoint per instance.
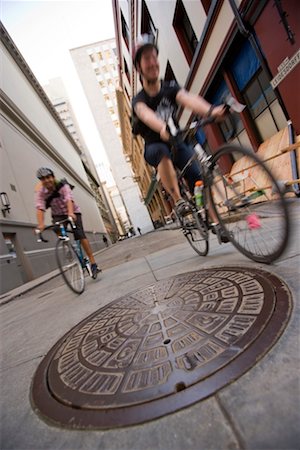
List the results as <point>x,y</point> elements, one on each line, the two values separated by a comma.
<point>260,410</point>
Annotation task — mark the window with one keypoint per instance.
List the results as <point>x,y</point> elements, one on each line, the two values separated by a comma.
<point>206,5</point>
<point>126,70</point>
<point>147,25</point>
<point>233,125</point>
<point>184,31</point>
<point>257,92</point>
<point>169,74</point>
<point>125,30</point>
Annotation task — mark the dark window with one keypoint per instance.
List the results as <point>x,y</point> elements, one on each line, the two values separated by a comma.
<point>255,89</point>
<point>258,94</point>
<point>126,92</point>
<point>125,30</point>
<point>206,5</point>
<point>169,75</point>
<point>126,70</point>
<point>232,125</point>
<point>184,31</point>
<point>147,25</point>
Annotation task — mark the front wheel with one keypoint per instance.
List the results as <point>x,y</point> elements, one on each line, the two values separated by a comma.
<point>249,204</point>
<point>195,231</point>
<point>70,266</point>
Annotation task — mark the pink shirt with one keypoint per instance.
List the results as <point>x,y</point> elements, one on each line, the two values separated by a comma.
<point>59,204</point>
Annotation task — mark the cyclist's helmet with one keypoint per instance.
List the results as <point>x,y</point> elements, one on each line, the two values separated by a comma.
<point>144,42</point>
<point>44,172</point>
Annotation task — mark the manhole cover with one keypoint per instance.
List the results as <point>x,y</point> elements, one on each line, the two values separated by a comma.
<point>161,348</point>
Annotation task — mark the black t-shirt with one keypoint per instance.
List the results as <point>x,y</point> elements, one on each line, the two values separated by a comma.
<point>163,104</point>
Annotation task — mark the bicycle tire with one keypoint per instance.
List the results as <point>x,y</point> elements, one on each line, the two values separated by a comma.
<point>250,205</point>
<point>70,266</point>
<point>196,234</point>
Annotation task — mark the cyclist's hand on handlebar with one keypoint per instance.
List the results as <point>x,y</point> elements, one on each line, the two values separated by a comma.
<point>220,112</point>
<point>72,216</point>
<point>40,227</point>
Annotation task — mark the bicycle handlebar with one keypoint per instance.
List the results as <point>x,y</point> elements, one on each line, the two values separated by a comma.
<point>231,105</point>
<point>40,237</point>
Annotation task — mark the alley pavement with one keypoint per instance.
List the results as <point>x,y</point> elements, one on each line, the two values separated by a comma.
<point>259,410</point>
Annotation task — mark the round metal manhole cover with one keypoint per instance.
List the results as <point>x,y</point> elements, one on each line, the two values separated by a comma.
<point>161,348</point>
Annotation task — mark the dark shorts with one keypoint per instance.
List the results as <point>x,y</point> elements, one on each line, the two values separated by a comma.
<point>78,231</point>
<point>156,151</point>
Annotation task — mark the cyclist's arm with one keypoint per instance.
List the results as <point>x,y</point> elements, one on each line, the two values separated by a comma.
<point>71,209</point>
<point>149,118</point>
<point>198,104</point>
<point>40,215</point>
<point>40,207</point>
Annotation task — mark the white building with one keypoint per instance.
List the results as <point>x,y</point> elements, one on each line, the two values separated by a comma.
<point>32,135</point>
<point>96,65</point>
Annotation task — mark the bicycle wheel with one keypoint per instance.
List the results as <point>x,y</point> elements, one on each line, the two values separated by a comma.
<point>70,266</point>
<point>250,205</point>
<point>195,231</point>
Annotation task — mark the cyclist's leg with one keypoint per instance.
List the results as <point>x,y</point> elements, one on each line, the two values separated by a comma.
<point>79,234</point>
<point>193,173</point>
<point>158,155</point>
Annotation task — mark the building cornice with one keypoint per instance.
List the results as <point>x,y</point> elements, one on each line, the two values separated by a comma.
<point>23,66</point>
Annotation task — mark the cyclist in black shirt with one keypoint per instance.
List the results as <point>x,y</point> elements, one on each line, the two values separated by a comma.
<point>152,107</point>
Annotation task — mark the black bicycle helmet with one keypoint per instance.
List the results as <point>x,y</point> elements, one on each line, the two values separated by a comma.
<point>44,172</point>
<point>144,42</point>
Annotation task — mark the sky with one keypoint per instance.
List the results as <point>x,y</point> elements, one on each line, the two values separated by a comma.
<point>45,31</point>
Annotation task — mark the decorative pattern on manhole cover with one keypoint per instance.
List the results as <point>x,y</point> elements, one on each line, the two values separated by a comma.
<point>161,348</point>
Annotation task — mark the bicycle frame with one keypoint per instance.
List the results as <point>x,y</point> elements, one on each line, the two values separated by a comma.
<point>84,261</point>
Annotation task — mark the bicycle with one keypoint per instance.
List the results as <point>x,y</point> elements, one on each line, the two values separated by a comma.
<point>69,256</point>
<point>247,200</point>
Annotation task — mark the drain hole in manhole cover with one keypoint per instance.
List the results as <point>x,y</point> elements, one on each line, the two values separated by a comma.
<point>180,387</point>
<point>161,348</point>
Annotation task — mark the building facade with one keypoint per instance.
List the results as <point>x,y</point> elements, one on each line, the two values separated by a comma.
<point>249,49</point>
<point>96,65</point>
<point>32,135</point>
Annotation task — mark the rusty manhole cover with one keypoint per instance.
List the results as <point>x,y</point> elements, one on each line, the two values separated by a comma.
<point>161,348</point>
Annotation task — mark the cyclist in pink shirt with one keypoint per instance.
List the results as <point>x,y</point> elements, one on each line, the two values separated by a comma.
<point>58,196</point>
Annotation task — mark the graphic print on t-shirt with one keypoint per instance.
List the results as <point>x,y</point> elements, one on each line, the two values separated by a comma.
<point>165,109</point>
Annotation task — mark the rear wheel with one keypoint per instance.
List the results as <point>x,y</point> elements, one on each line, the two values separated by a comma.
<point>250,205</point>
<point>70,266</point>
<point>195,231</point>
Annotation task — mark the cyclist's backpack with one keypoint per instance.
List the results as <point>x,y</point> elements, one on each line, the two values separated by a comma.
<point>55,193</point>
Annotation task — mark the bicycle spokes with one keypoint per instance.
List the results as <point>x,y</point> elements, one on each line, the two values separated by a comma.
<point>70,266</point>
<point>250,205</point>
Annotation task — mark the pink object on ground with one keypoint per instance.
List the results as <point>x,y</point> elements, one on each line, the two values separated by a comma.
<point>253,221</point>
